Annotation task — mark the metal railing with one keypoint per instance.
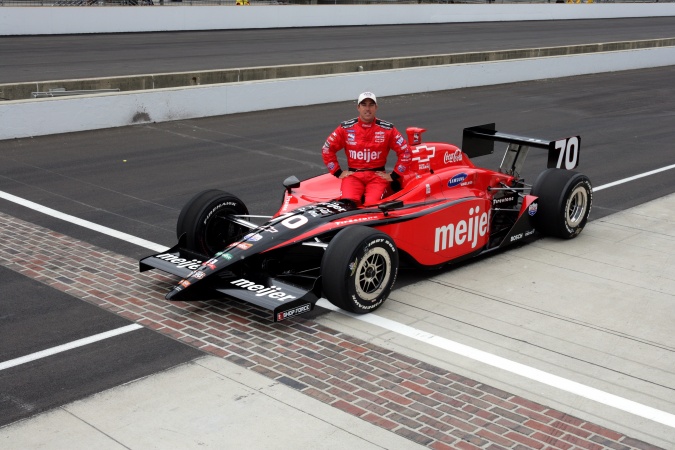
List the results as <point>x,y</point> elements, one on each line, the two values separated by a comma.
<point>62,92</point>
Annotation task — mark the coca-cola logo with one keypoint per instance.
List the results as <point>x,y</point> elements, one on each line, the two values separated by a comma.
<point>455,156</point>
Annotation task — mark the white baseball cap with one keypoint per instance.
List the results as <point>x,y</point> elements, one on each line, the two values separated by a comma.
<point>366,95</point>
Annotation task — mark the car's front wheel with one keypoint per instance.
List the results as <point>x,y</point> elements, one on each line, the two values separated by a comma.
<point>359,269</point>
<point>204,220</point>
<point>565,200</point>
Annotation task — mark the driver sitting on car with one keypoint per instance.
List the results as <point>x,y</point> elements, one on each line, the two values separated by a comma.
<point>367,141</point>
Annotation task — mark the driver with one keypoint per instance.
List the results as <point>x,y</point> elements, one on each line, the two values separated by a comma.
<point>367,141</point>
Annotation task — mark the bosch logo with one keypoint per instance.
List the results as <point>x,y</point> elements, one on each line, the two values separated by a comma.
<point>457,179</point>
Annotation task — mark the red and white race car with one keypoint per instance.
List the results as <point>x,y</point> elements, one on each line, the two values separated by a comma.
<point>446,210</point>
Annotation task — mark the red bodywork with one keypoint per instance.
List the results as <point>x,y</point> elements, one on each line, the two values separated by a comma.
<point>448,203</point>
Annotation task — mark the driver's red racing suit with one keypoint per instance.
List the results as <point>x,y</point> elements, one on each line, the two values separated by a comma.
<point>367,146</point>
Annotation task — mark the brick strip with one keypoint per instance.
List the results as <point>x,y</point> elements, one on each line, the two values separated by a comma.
<point>421,402</point>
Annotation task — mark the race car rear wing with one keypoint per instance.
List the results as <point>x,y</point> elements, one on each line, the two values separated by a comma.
<point>479,141</point>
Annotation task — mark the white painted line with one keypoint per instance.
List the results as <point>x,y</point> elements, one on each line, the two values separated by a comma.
<point>83,223</point>
<point>478,355</point>
<point>69,346</point>
<point>636,177</point>
<point>511,366</point>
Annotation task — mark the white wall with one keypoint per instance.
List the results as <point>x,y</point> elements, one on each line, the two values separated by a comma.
<point>27,20</point>
<point>23,118</point>
<point>34,117</point>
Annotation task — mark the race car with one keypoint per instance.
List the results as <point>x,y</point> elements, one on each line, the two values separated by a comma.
<point>445,210</point>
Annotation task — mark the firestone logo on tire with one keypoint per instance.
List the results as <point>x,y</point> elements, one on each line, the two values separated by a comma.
<point>216,208</point>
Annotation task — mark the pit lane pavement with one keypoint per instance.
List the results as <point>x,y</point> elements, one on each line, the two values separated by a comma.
<point>596,131</point>
<point>131,415</point>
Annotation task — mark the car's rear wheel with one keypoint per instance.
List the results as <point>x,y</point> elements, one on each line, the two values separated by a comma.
<point>204,220</point>
<point>565,200</point>
<point>359,269</point>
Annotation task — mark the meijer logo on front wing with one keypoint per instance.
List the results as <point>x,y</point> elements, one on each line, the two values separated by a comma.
<point>260,290</point>
<point>180,262</point>
<point>464,231</point>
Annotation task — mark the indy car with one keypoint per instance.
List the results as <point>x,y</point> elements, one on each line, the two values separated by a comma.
<point>445,210</point>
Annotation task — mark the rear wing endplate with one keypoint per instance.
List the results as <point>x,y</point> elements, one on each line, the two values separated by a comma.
<point>479,141</point>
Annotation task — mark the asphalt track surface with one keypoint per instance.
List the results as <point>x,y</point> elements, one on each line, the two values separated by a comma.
<point>135,179</point>
<point>40,58</point>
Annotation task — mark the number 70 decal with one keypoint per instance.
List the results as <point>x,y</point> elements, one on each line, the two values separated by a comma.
<point>564,153</point>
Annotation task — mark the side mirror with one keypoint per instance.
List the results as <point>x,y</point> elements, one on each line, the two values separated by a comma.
<point>291,182</point>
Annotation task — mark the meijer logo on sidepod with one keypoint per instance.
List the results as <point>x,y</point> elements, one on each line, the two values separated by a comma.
<point>464,231</point>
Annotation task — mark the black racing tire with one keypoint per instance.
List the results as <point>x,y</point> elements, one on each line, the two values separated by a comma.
<point>359,269</point>
<point>202,219</point>
<point>565,200</point>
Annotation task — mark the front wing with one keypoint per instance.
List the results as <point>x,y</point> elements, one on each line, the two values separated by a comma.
<point>282,297</point>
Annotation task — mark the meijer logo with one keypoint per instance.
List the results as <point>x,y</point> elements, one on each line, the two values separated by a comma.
<point>182,263</point>
<point>261,290</point>
<point>464,231</point>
